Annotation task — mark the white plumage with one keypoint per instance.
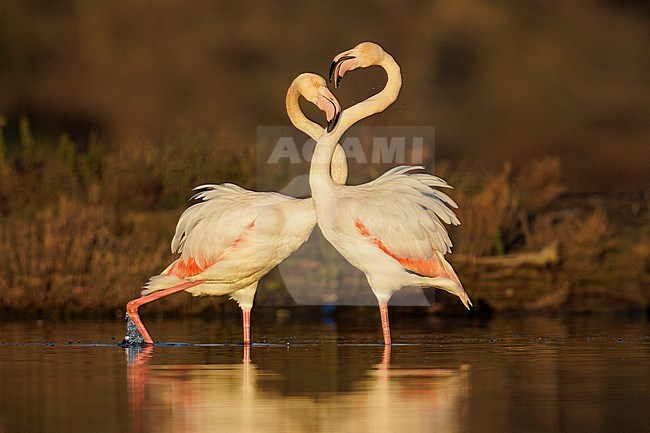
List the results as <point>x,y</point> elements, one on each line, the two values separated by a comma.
<point>233,237</point>
<point>391,228</point>
<point>406,211</point>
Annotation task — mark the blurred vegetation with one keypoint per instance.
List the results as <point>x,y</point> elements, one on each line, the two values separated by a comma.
<point>527,244</point>
<point>114,111</point>
<point>84,224</point>
<point>499,80</point>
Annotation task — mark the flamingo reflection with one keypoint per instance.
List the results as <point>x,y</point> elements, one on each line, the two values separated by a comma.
<point>245,397</point>
<point>136,376</point>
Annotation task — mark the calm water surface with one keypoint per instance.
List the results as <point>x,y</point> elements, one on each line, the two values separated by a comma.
<point>443,375</point>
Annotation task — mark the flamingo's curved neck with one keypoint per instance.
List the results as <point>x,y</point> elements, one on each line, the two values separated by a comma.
<point>298,118</point>
<point>376,103</point>
<point>339,162</point>
<point>319,175</point>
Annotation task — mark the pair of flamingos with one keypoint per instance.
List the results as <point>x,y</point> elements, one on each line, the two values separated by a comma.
<point>389,228</point>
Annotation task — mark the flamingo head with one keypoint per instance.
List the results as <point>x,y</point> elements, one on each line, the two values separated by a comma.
<point>314,89</point>
<point>363,55</point>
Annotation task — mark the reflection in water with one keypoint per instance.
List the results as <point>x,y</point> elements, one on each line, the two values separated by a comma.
<point>528,373</point>
<point>251,397</point>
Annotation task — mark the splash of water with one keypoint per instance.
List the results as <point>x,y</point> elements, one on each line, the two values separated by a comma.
<point>133,336</point>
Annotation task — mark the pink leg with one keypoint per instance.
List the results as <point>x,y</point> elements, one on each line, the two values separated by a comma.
<point>385,325</point>
<point>385,358</point>
<point>247,326</point>
<point>132,306</point>
<point>136,373</point>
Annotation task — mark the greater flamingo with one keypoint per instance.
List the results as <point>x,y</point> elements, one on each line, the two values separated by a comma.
<point>233,237</point>
<point>389,228</point>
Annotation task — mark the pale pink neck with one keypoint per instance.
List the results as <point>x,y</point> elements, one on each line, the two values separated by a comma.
<point>339,162</point>
<point>324,151</point>
<point>298,118</point>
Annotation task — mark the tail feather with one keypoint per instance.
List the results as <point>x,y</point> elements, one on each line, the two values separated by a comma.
<point>439,273</point>
<point>451,286</point>
<point>451,273</point>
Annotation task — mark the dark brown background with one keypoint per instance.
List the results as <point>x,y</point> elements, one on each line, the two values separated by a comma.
<point>499,80</point>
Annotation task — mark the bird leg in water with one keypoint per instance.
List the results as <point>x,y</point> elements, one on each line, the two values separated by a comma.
<point>133,336</point>
<point>247,326</point>
<point>385,358</point>
<point>140,334</point>
<point>385,325</point>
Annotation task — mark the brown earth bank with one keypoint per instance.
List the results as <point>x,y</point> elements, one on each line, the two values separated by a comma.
<point>84,224</point>
<point>598,263</point>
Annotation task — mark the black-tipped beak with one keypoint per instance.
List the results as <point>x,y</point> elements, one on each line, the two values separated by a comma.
<point>332,123</point>
<point>330,106</point>
<point>334,70</point>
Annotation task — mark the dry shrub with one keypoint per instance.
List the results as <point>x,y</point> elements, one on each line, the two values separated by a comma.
<point>84,225</point>
<point>161,174</point>
<point>499,210</point>
<point>582,238</point>
<point>640,262</point>
<point>484,215</point>
<point>78,257</point>
<point>537,187</point>
<point>507,208</point>
<point>538,184</point>
<point>132,178</point>
<point>542,232</point>
<point>51,252</point>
